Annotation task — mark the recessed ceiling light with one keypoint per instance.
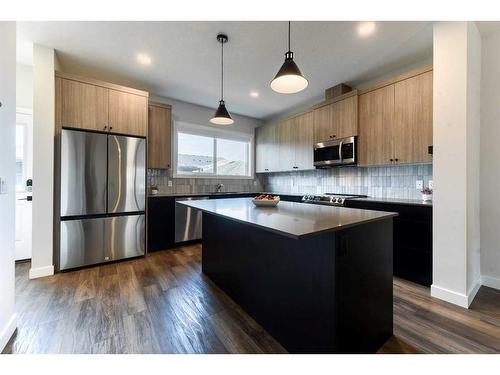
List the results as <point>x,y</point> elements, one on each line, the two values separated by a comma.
<point>366,28</point>
<point>143,59</point>
<point>254,94</point>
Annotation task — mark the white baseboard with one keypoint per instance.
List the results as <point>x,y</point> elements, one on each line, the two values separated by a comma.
<point>491,282</point>
<point>41,272</point>
<point>473,291</point>
<point>8,331</point>
<point>462,300</point>
<point>449,296</point>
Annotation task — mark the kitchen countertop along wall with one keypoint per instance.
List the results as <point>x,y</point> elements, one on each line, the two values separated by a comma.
<point>160,178</point>
<point>397,182</point>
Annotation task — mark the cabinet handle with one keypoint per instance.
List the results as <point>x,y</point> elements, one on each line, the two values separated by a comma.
<point>391,160</point>
<point>396,160</point>
<point>105,127</point>
<point>110,127</point>
<point>333,136</point>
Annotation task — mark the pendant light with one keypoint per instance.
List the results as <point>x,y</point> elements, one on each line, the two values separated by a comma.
<point>222,116</point>
<point>289,79</point>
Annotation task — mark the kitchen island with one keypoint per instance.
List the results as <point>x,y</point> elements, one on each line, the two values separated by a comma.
<point>317,278</point>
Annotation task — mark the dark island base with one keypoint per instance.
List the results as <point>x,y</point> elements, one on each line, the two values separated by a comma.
<point>329,293</point>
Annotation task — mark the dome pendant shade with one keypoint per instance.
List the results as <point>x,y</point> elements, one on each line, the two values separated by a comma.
<point>289,79</point>
<point>222,116</point>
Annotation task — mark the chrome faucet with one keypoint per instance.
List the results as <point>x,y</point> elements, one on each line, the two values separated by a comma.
<point>218,188</point>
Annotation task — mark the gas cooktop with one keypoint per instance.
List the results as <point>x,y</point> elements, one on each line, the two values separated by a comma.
<point>331,199</point>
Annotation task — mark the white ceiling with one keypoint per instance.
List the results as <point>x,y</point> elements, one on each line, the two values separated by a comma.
<point>186,56</point>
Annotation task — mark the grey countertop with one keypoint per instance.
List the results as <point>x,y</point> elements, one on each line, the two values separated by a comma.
<point>291,219</point>
<point>159,195</point>
<point>412,202</point>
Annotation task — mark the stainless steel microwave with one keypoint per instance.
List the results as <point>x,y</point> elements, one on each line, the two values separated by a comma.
<point>335,152</point>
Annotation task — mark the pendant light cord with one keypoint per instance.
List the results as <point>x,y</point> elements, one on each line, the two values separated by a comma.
<point>289,48</point>
<point>222,73</point>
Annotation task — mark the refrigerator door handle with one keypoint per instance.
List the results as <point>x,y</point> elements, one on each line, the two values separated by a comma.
<point>126,174</point>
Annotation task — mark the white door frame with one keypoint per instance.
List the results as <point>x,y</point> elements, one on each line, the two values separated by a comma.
<point>24,207</point>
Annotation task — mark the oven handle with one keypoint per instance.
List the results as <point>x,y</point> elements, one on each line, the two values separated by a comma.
<point>340,151</point>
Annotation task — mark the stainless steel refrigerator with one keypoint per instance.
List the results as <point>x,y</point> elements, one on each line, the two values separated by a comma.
<point>103,198</point>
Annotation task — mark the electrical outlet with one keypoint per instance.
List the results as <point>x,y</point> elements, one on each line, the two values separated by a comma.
<point>255,182</point>
<point>419,185</point>
<point>3,185</point>
<point>431,184</point>
<point>169,183</point>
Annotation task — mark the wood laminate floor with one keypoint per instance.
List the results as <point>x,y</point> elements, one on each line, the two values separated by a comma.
<point>164,304</point>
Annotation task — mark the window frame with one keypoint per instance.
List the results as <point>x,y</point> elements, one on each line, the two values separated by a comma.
<point>207,131</point>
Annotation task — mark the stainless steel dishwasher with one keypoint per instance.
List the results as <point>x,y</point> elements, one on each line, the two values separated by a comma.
<point>187,220</point>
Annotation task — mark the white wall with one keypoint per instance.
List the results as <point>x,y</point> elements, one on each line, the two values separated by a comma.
<point>43,161</point>
<point>24,86</point>
<point>7,172</point>
<point>490,157</point>
<point>455,162</point>
<point>473,160</point>
<point>198,115</point>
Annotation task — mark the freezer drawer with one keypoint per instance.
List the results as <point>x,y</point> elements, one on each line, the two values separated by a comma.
<point>126,174</point>
<point>83,173</point>
<point>125,236</point>
<point>91,241</point>
<point>83,243</point>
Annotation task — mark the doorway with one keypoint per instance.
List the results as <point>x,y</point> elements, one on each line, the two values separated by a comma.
<point>24,173</point>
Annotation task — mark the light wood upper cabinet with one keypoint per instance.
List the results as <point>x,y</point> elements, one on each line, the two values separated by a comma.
<point>336,120</point>
<point>345,114</point>
<point>323,125</point>
<point>266,150</point>
<point>395,122</point>
<point>128,113</point>
<point>285,139</point>
<point>81,105</point>
<point>285,146</point>
<point>159,135</point>
<point>295,142</point>
<point>85,103</point>
<point>302,130</point>
<point>412,132</point>
<point>376,116</point>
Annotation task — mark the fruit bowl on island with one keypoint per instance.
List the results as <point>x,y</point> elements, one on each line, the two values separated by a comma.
<point>266,200</point>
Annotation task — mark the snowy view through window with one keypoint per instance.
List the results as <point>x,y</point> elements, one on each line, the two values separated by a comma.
<point>196,155</point>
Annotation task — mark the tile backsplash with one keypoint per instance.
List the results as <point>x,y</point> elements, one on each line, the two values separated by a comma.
<point>381,182</point>
<point>160,178</point>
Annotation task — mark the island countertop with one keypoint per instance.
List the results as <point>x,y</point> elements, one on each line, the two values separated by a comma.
<point>291,219</point>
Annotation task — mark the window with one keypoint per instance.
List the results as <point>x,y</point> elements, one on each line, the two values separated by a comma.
<point>201,151</point>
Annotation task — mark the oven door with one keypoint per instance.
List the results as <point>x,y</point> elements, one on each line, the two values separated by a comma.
<point>327,153</point>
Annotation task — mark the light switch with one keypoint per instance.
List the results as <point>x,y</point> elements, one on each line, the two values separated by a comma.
<point>419,185</point>
<point>3,185</point>
<point>169,183</point>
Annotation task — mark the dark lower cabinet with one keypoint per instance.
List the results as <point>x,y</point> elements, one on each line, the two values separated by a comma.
<point>161,218</point>
<point>161,223</point>
<point>412,239</point>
